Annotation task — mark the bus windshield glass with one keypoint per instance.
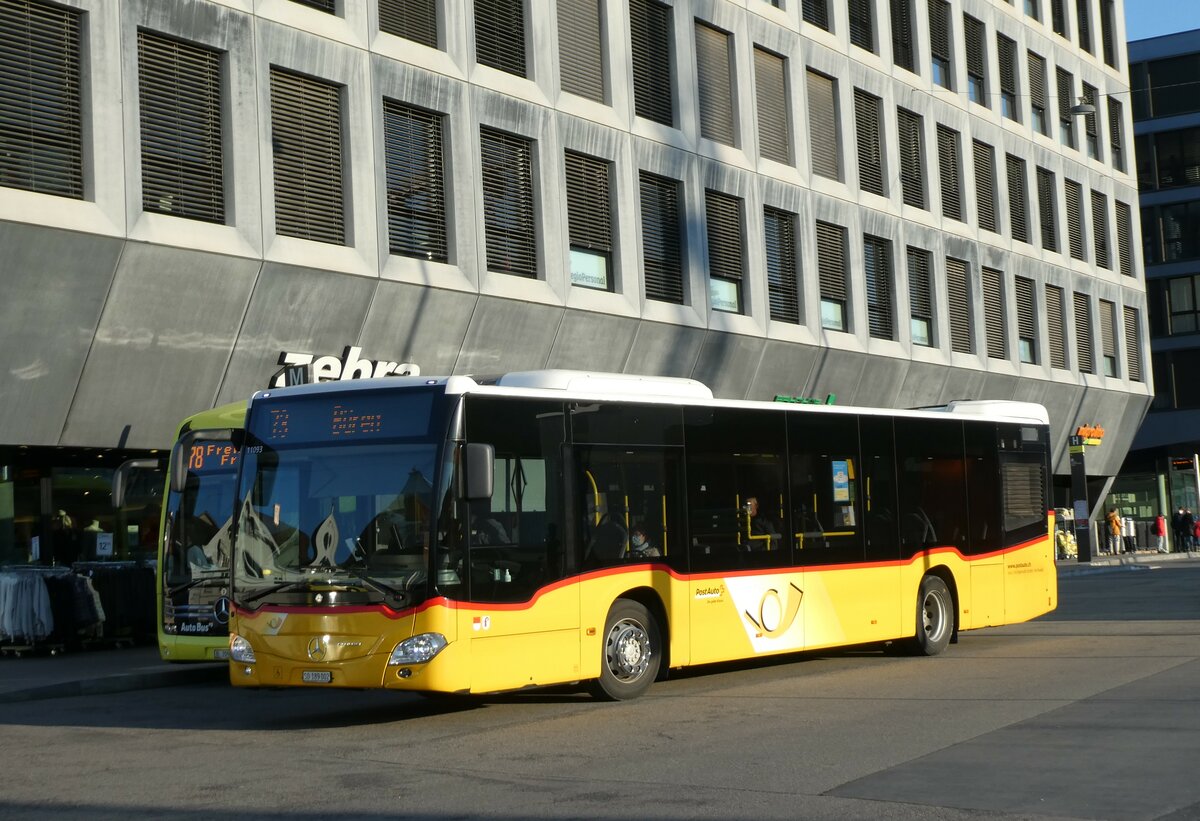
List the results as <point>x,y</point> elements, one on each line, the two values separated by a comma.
<point>337,499</point>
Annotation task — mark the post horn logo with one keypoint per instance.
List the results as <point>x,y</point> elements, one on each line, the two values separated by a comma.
<point>775,617</point>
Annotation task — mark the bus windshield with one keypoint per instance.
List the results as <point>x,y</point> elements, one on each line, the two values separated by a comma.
<point>336,501</point>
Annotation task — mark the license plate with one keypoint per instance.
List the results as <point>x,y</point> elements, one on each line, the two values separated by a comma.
<point>317,676</point>
<point>220,654</point>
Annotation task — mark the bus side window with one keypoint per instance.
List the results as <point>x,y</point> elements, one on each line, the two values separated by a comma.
<point>826,487</point>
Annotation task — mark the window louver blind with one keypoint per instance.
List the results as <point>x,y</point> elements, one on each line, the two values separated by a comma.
<point>1106,32</point>
<point>973,34</point>
<point>1116,140</point>
<point>1065,83</point>
<point>993,312</point>
<point>1083,334</point>
<point>831,261</point>
<point>661,238</point>
<point>1017,198</point>
<point>650,40</point>
<point>870,159</point>
<point>1090,120</point>
<point>939,29</point>
<point>1108,321</point>
<point>580,58</point>
<point>902,47</point>
<point>306,136</point>
<point>1046,197</point>
<point>508,212</point>
<point>1100,229</point>
<point>920,294</point>
<point>41,143</point>
<point>822,125</point>
<point>1026,321</point>
<point>1083,20</point>
<point>779,229</point>
<point>950,172</point>
<point>319,5</point>
<point>1055,324</point>
<point>1058,17</point>
<point>1037,82</point>
<point>589,206</point>
<point>179,95</point>
<point>1074,192</point>
<point>414,20</point>
<point>862,26</point>
<point>1124,238</point>
<point>877,268</point>
<point>816,12</point>
<point>416,199</point>
<point>724,217</point>
<point>985,184</point>
<point>959,305</point>
<point>1133,348</point>
<point>912,178</point>
<point>770,88</point>
<point>1006,54</point>
<point>500,35</point>
<point>713,74</point>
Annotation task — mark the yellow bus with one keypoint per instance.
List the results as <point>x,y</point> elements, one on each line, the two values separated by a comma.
<point>193,545</point>
<point>462,535</point>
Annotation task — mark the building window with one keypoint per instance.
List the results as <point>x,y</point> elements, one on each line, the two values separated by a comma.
<point>1182,299</point>
<point>1018,198</point>
<point>589,220</point>
<point>1006,52</point>
<point>939,43</point>
<point>1066,123</point>
<point>1107,33</point>
<point>1026,320</point>
<point>920,296</point>
<point>950,172</point>
<point>870,148</point>
<point>902,39</point>
<point>1056,321</point>
<point>1100,229</point>
<point>877,269</point>
<point>862,24</point>
<point>816,12</point>
<point>306,137</point>
<point>1108,344</point>
<point>912,162</point>
<point>1083,333</point>
<point>1133,344</point>
<point>993,313</point>
<point>959,305</point>
<point>1179,228</point>
<point>1033,9</point>
<point>1074,192</point>
<point>1124,238</point>
<point>416,187</point>
<point>723,214</point>
<point>41,137</point>
<point>715,81</point>
<point>1090,122</point>
<point>985,184</point>
<point>327,6</point>
<point>510,230</point>
<point>662,238</point>
<point>974,33</point>
<point>650,40</point>
<point>1037,94</point>
<point>822,126</point>
<point>414,20</point>
<point>1046,198</point>
<point>1083,21</point>
<point>580,48</point>
<point>770,89</point>
<point>500,35</point>
<point>783,288</point>
<point>831,274</point>
<point>1116,132</point>
<point>1058,17</point>
<point>179,96</point>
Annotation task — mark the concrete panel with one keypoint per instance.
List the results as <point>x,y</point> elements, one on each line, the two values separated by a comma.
<point>660,349</point>
<point>881,382</point>
<point>998,386</point>
<point>506,335</point>
<point>962,383</point>
<point>786,369</point>
<point>54,287</point>
<point>727,363</point>
<point>1109,410</point>
<point>839,373</point>
<point>162,345</point>
<point>924,384</point>
<point>425,326</point>
<point>294,309</point>
<point>591,341</point>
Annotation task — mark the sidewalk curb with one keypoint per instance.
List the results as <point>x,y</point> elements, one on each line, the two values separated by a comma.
<point>1147,560</point>
<point>119,683</point>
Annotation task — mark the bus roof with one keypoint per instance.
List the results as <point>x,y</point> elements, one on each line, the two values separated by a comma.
<point>598,386</point>
<point>232,415</point>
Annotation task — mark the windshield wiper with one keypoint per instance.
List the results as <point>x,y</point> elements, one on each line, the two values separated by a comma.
<point>398,596</point>
<point>188,585</point>
<point>277,586</point>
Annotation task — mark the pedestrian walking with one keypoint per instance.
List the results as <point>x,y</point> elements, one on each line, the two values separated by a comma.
<point>1159,529</point>
<point>1177,531</point>
<point>1114,531</point>
<point>1189,529</point>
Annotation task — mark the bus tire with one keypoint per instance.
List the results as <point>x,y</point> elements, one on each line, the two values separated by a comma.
<point>631,652</point>
<point>935,617</point>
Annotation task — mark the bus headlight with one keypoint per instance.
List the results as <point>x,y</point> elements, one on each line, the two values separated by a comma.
<point>418,649</point>
<point>240,650</point>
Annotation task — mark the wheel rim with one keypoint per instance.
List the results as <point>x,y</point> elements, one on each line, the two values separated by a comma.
<point>627,650</point>
<point>933,616</point>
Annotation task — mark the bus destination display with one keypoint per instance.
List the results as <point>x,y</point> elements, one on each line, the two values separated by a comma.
<point>302,420</point>
<point>211,457</point>
<point>347,422</point>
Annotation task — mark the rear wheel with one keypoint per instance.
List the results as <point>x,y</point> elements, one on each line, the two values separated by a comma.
<point>935,617</point>
<point>631,654</point>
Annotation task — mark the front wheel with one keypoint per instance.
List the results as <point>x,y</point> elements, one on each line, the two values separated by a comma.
<point>935,617</point>
<point>631,654</point>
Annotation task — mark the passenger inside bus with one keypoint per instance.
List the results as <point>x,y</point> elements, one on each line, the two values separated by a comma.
<point>640,545</point>
<point>609,540</point>
<point>761,531</point>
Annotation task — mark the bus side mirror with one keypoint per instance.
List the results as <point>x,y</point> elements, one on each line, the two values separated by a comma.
<point>120,480</point>
<point>480,459</point>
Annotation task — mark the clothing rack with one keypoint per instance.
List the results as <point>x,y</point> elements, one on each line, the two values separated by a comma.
<point>45,608</point>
